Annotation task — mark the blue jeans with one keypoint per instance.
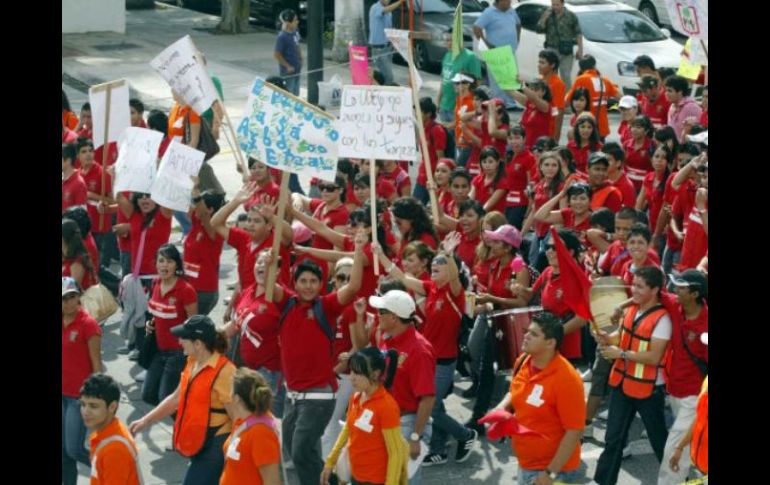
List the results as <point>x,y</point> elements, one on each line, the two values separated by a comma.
<point>444,424</point>
<point>275,379</point>
<point>184,221</point>
<point>670,259</point>
<point>528,476</point>
<point>294,186</point>
<point>446,116</point>
<point>207,300</point>
<point>163,376</point>
<point>73,438</point>
<point>421,193</point>
<point>515,215</point>
<point>292,82</point>
<point>463,154</point>
<point>206,467</point>
<point>407,426</point>
<point>302,428</point>
<point>383,61</point>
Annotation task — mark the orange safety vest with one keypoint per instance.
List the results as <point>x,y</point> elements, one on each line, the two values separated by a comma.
<point>638,379</point>
<point>192,417</point>
<point>699,446</point>
<point>599,197</point>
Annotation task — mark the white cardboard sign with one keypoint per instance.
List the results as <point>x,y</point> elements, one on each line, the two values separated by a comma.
<point>179,65</point>
<point>173,186</point>
<point>137,160</point>
<point>120,113</point>
<point>690,17</point>
<point>400,40</point>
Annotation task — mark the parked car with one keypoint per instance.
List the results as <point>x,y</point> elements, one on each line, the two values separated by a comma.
<point>208,6</point>
<point>266,12</point>
<point>614,33</point>
<point>655,10</point>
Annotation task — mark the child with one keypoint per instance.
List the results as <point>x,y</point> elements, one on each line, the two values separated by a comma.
<point>490,186</point>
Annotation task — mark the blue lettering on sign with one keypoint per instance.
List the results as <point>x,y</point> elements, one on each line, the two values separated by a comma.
<point>258,85</point>
<point>260,117</point>
<point>319,122</point>
<point>309,115</point>
<point>299,108</point>
<point>333,135</point>
<point>281,144</point>
<point>266,137</point>
<point>243,128</point>
<point>295,132</point>
<point>272,157</point>
<point>322,149</point>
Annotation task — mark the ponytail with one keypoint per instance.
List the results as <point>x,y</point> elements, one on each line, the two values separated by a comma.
<point>392,366</point>
<point>220,344</point>
<point>253,390</point>
<point>368,360</point>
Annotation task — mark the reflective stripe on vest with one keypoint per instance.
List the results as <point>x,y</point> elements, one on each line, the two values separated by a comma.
<point>192,421</point>
<point>699,446</point>
<point>120,439</point>
<point>638,380</point>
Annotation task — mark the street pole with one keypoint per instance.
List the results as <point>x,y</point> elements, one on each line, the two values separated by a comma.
<point>315,49</point>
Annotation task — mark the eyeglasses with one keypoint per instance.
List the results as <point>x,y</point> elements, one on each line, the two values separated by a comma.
<point>143,196</point>
<point>327,188</point>
<point>342,278</point>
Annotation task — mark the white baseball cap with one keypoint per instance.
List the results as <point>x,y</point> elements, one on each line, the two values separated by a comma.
<point>628,102</point>
<point>397,302</point>
<point>462,78</point>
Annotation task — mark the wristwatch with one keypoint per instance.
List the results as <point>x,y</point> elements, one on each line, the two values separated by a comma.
<point>551,475</point>
<point>414,437</point>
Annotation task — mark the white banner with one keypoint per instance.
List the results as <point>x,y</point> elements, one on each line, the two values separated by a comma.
<point>400,40</point>
<point>286,133</point>
<point>172,187</point>
<point>690,17</point>
<point>137,160</point>
<point>179,65</point>
<point>120,113</point>
<point>377,122</point>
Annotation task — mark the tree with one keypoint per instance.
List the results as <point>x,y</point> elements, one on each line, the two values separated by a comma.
<point>348,27</point>
<point>235,17</point>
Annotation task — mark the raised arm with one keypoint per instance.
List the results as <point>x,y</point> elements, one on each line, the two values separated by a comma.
<point>219,219</point>
<point>410,282</point>
<point>346,294</point>
<point>318,227</point>
<point>547,214</point>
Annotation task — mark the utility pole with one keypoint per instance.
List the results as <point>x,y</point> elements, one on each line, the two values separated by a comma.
<point>315,49</point>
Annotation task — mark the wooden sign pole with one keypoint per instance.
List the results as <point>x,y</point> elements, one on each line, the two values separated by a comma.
<point>272,271</point>
<point>373,204</point>
<point>234,143</point>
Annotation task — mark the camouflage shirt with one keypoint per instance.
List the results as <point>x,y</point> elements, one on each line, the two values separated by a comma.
<point>559,27</point>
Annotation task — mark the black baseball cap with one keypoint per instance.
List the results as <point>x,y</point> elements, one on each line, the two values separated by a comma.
<point>692,278</point>
<point>598,157</point>
<point>197,327</point>
<point>648,82</point>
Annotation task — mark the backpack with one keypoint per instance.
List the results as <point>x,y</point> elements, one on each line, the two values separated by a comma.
<point>450,150</point>
<point>318,311</point>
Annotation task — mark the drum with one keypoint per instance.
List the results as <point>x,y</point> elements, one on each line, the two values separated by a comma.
<point>607,293</point>
<point>508,329</point>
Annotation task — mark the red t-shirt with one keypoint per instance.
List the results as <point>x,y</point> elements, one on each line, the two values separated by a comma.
<point>543,195</point>
<point>612,201</point>
<point>466,250</point>
<point>248,251</point>
<point>624,131</point>
<point>415,376</point>
<point>369,281</point>
<point>89,278</point>
<point>331,217</point>
<point>581,154</point>
<point>484,191</point>
<point>257,322</point>
<point>436,137</point>
<point>201,257</point>
<point>398,177</point>
<point>271,189</point>
<point>73,192</point>
<point>443,318</point>
<point>569,219</point>
<point>157,235</point>
<point>551,298</point>
<point>168,311</point>
<point>324,265</point>
<point>616,257</point>
<point>638,161</point>
<point>656,111</point>
<point>306,351</point>
<point>124,243</point>
<point>628,270</point>
<point>654,198</point>
<point>93,180</point>
<point>518,171</point>
<point>76,363</point>
<point>626,188</point>
<point>342,341</point>
<point>695,243</point>
<point>425,237</point>
<point>684,377</point>
<point>535,123</point>
<point>488,139</point>
<point>499,277</point>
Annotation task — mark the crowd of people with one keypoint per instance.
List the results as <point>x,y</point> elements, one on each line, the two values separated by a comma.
<point>340,365</point>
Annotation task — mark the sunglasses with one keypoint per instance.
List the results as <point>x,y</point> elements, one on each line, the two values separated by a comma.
<point>440,260</point>
<point>327,188</point>
<point>143,196</point>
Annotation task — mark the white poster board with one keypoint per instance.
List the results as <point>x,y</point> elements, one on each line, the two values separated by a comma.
<point>172,187</point>
<point>377,122</point>
<point>120,112</point>
<point>400,40</point>
<point>690,17</point>
<point>179,65</point>
<point>287,133</point>
<point>137,160</point>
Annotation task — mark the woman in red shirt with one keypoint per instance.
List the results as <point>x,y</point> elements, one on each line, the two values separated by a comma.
<point>75,261</point>
<point>551,183</point>
<point>469,227</point>
<point>330,208</point>
<point>490,186</point>
<point>259,173</point>
<point>520,171</point>
<point>171,302</point>
<point>579,103</point>
<point>81,356</point>
<point>385,189</point>
<point>577,214</point>
<point>638,150</point>
<point>586,140</point>
<point>536,119</point>
<point>651,196</point>
<point>397,176</point>
<point>441,177</point>
<point>413,223</point>
<point>202,250</point>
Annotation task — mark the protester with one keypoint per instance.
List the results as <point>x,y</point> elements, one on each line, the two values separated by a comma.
<point>330,208</point>
<point>551,183</point>
<point>682,106</point>
<point>616,175</point>
<point>536,120</point>
<point>579,103</point>
<point>203,249</point>
<point>69,120</point>
<point>638,150</point>
<point>463,111</point>
<point>436,136</point>
<point>653,102</point>
<point>491,185</point>
<point>74,191</point>
<point>601,90</point>
<point>577,214</point>
<point>456,70</point>
<point>586,140</point>
<point>604,193</point>
<point>548,64</point>
<point>76,262</point>
<point>629,108</point>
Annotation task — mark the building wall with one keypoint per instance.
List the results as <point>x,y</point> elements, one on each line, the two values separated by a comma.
<point>79,16</point>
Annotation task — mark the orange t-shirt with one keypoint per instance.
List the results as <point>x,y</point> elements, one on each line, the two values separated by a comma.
<point>590,81</point>
<point>257,446</point>
<point>69,119</point>
<point>557,87</point>
<point>176,121</point>
<point>114,463</point>
<point>366,444</point>
<point>460,103</point>
<point>550,402</point>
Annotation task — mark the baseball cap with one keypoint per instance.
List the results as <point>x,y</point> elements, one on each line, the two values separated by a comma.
<point>702,137</point>
<point>691,278</point>
<point>197,327</point>
<point>395,301</point>
<point>505,233</point>
<point>597,157</point>
<point>648,82</point>
<point>301,233</point>
<point>628,102</point>
<point>69,285</point>
<point>462,78</point>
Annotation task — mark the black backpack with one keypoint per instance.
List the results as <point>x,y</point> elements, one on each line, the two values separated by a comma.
<point>318,311</point>
<point>450,150</point>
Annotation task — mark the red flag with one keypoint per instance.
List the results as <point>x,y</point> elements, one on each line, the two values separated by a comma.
<point>502,423</point>
<point>575,283</point>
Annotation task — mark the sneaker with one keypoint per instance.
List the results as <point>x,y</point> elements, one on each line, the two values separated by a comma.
<point>627,451</point>
<point>479,428</point>
<point>133,355</point>
<point>434,459</point>
<point>471,392</point>
<point>587,375</point>
<point>140,376</point>
<point>464,448</point>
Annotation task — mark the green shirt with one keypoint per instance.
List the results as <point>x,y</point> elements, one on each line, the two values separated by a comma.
<point>565,28</point>
<point>466,61</point>
<point>208,115</point>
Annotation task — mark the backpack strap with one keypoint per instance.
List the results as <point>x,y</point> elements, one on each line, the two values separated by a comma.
<point>318,311</point>
<point>121,439</point>
<point>254,420</point>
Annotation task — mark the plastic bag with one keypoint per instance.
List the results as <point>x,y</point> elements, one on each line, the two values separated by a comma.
<point>330,92</point>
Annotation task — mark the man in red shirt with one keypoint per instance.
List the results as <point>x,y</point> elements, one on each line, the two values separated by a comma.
<point>435,135</point>
<point>101,225</point>
<point>639,238</point>
<point>617,176</point>
<point>686,365</point>
<point>307,335</point>
<point>652,101</point>
<point>604,193</point>
<point>73,187</point>
<point>548,68</point>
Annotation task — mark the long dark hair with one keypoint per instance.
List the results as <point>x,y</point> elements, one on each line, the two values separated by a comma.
<point>593,140</point>
<point>70,234</point>
<point>669,162</point>
<point>146,218</point>
<point>490,151</point>
<point>368,360</point>
<point>363,216</point>
<point>566,154</point>
<point>169,251</point>
<point>412,210</point>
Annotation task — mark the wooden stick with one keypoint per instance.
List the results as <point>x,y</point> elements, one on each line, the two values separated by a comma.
<point>107,86</point>
<point>234,143</point>
<point>373,204</point>
<point>272,271</point>
<point>106,146</point>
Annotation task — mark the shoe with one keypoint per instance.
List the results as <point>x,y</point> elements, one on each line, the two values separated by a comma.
<point>627,451</point>
<point>133,355</point>
<point>140,376</point>
<point>471,392</point>
<point>474,425</point>
<point>587,375</point>
<point>464,448</point>
<point>124,350</point>
<point>434,459</point>
<point>169,448</point>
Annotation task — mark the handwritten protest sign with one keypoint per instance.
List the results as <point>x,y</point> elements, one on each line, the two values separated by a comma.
<point>502,64</point>
<point>698,51</point>
<point>359,65</point>
<point>137,159</point>
<point>286,133</point>
<point>400,40</point>
<point>690,17</point>
<point>178,64</point>
<point>119,111</point>
<point>377,122</point>
<point>173,186</point>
